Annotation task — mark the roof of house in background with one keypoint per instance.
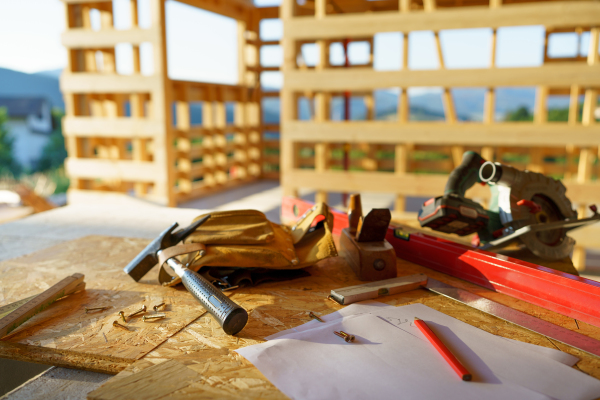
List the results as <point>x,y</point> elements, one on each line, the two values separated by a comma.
<point>21,107</point>
<point>17,84</point>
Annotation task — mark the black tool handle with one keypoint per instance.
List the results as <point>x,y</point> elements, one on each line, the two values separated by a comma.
<point>465,175</point>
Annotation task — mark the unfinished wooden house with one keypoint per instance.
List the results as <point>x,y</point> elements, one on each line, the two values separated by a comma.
<point>133,133</point>
<point>147,150</point>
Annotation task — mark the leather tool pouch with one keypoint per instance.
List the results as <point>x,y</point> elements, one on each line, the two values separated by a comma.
<point>247,239</point>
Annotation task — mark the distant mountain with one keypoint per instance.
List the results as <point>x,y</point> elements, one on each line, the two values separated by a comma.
<point>20,84</point>
<point>428,106</point>
<point>53,73</point>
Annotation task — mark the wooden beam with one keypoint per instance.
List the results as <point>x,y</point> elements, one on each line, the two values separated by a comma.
<point>124,170</point>
<point>367,78</point>
<point>101,83</point>
<point>121,127</point>
<point>81,38</point>
<point>517,134</point>
<point>408,184</point>
<point>550,14</point>
<point>236,9</point>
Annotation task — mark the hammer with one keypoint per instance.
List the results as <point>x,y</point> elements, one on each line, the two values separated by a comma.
<point>230,316</point>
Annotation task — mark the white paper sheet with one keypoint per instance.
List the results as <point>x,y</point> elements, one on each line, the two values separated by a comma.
<point>373,307</point>
<point>364,307</point>
<point>300,362</point>
<point>383,363</point>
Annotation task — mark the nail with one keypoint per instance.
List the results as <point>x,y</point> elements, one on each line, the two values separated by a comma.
<point>310,314</point>
<point>141,310</point>
<point>96,309</point>
<point>345,336</point>
<point>118,325</point>
<point>230,288</point>
<point>155,316</point>
<point>156,307</point>
<point>122,314</point>
<point>332,299</point>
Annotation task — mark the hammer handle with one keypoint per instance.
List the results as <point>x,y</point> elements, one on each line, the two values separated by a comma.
<point>230,316</point>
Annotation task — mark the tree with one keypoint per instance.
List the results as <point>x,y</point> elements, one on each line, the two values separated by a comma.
<point>54,153</point>
<point>8,164</point>
<point>520,114</point>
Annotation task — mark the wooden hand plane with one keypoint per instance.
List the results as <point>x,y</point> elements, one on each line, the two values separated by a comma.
<point>363,243</point>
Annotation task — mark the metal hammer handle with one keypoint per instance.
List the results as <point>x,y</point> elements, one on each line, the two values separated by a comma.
<point>230,316</point>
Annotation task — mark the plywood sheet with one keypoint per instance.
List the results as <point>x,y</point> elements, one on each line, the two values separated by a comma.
<point>66,327</point>
<point>204,348</point>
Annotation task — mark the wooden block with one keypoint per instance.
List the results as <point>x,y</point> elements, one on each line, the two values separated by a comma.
<point>370,261</point>
<point>373,290</point>
<point>151,384</point>
<point>39,303</point>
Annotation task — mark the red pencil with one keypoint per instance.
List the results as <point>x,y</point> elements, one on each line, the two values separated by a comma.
<point>443,350</point>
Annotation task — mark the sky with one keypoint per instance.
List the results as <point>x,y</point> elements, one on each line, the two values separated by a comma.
<point>30,42</point>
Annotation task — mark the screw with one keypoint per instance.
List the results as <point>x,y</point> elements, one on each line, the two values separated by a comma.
<point>118,325</point>
<point>345,336</point>
<point>156,307</point>
<point>122,314</point>
<point>87,310</point>
<point>310,314</point>
<point>141,310</point>
<point>155,316</point>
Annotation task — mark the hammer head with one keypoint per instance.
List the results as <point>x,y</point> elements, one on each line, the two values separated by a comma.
<point>148,258</point>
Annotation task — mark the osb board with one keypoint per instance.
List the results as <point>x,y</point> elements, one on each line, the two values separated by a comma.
<point>78,339</point>
<point>204,348</point>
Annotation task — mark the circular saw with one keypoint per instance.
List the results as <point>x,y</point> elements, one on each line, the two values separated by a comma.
<point>525,206</point>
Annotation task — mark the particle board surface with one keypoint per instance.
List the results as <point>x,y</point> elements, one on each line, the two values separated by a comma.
<point>89,340</point>
<point>204,348</point>
<point>199,344</point>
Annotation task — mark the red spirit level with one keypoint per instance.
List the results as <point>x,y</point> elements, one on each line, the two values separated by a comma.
<point>557,291</point>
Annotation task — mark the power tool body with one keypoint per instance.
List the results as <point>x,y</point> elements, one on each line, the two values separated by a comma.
<point>525,206</point>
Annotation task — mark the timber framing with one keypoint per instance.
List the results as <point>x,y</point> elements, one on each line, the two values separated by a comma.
<point>135,133</point>
<point>398,154</point>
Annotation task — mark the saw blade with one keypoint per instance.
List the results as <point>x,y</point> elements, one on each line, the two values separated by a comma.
<point>552,331</point>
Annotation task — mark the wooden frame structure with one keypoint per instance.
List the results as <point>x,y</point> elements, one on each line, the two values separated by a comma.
<point>121,133</point>
<point>134,133</point>
<point>325,21</point>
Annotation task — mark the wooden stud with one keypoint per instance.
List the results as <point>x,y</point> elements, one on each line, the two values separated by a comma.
<point>429,5</point>
<point>589,107</point>
<point>401,167</point>
<point>593,57</point>
<point>493,49</point>
<point>404,6</point>
<point>574,104</point>
<point>449,109</point>
<point>403,107</point>
<point>489,106</point>
<point>540,115</point>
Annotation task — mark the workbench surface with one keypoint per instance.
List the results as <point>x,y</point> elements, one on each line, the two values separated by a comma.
<point>212,368</point>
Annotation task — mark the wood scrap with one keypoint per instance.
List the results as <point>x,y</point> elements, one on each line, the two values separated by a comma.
<point>35,304</point>
<point>67,327</point>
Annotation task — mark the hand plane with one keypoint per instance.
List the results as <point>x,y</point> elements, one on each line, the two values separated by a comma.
<point>363,243</point>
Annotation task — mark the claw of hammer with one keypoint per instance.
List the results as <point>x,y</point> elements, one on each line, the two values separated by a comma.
<point>148,258</point>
